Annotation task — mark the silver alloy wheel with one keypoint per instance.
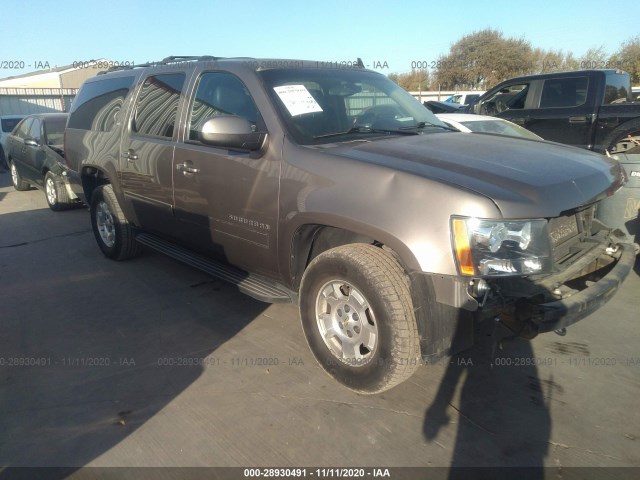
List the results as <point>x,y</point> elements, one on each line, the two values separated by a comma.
<point>105,224</point>
<point>14,174</point>
<point>50,190</point>
<point>346,323</point>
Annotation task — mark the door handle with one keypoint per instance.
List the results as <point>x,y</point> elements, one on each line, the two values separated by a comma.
<point>130,155</point>
<point>186,169</point>
<point>519,121</point>
<point>577,120</point>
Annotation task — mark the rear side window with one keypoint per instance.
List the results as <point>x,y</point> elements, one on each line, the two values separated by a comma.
<point>23,129</point>
<point>54,131</point>
<point>98,104</point>
<point>157,105</point>
<point>564,92</point>
<point>35,131</point>
<point>617,89</point>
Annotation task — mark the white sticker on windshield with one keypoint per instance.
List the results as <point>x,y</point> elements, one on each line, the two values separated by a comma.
<point>297,99</point>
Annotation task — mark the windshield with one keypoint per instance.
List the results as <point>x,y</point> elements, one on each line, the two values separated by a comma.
<point>500,127</point>
<point>328,105</point>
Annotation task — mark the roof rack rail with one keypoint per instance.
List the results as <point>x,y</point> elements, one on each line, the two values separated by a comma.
<point>164,61</point>
<point>177,58</point>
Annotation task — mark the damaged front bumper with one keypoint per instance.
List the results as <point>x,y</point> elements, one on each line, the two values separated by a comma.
<point>526,305</point>
<point>567,311</point>
<point>554,302</point>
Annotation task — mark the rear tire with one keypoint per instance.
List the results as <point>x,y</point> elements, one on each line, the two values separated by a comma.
<point>111,228</point>
<point>16,179</point>
<point>56,193</point>
<point>357,316</point>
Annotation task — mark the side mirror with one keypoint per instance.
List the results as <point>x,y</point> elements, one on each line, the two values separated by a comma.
<point>31,142</point>
<point>232,132</point>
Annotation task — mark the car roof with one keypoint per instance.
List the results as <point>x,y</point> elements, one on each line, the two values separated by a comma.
<point>567,73</point>
<point>250,63</point>
<point>45,116</point>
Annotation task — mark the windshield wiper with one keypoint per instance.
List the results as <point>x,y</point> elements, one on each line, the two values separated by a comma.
<point>427,124</point>
<point>367,130</point>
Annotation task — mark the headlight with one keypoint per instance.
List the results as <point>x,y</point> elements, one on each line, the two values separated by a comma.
<point>501,247</point>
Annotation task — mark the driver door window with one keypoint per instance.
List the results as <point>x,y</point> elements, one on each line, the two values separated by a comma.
<point>23,130</point>
<point>511,97</point>
<point>35,131</point>
<point>220,94</point>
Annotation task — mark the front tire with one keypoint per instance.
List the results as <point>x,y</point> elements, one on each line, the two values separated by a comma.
<point>16,179</point>
<point>112,230</point>
<point>56,193</point>
<point>357,316</point>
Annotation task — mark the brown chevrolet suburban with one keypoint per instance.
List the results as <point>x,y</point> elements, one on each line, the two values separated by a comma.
<point>334,189</point>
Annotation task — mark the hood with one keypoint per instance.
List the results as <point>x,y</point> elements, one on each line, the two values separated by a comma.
<point>524,178</point>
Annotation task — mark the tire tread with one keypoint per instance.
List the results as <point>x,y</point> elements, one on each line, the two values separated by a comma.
<point>126,245</point>
<point>392,283</point>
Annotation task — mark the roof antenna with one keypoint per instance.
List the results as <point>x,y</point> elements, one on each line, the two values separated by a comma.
<point>360,63</point>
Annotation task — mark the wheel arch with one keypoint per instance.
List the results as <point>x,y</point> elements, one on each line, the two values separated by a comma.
<point>92,178</point>
<point>622,130</point>
<point>311,239</point>
<point>443,329</point>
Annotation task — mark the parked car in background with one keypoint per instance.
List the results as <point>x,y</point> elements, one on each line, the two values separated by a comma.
<point>36,157</point>
<point>7,124</point>
<point>463,98</point>
<point>589,109</point>
<point>436,106</point>
<point>466,122</point>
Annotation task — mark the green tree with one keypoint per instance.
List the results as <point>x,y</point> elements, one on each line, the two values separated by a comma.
<point>627,58</point>
<point>414,80</point>
<point>546,61</point>
<point>595,57</point>
<point>482,59</point>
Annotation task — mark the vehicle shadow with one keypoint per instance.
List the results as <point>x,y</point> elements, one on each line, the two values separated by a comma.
<point>93,349</point>
<point>502,412</point>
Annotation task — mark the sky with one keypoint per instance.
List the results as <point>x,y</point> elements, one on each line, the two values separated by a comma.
<point>389,36</point>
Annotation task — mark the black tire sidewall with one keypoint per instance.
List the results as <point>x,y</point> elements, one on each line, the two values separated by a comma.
<point>18,184</point>
<point>365,378</point>
<point>101,195</point>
